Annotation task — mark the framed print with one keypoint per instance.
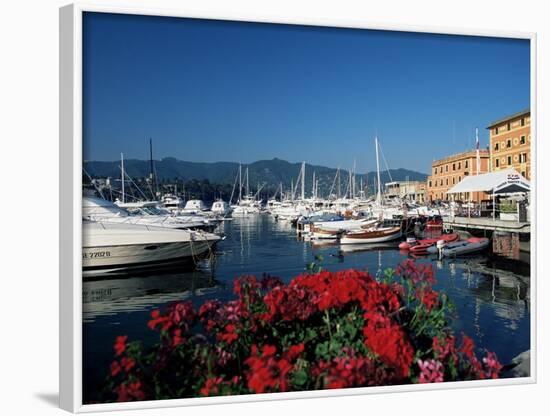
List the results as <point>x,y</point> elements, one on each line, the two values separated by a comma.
<point>261,209</point>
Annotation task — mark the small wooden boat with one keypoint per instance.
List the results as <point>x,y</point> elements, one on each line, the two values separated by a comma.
<point>373,235</point>
<point>324,233</point>
<point>471,245</point>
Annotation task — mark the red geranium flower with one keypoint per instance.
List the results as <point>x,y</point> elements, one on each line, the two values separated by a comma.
<point>120,344</point>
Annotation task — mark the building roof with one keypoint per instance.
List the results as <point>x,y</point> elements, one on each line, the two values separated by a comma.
<point>499,182</point>
<point>463,155</point>
<point>510,117</point>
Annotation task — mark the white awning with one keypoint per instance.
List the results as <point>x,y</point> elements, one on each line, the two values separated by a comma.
<point>500,182</point>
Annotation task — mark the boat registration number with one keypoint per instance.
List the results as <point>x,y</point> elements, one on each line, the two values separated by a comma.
<point>96,254</point>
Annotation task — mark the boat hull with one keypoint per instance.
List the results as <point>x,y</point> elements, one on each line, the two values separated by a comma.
<point>372,236</point>
<point>125,258</point>
<point>472,245</point>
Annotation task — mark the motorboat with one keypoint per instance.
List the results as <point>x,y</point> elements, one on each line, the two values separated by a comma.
<point>457,248</point>
<point>194,206</point>
<point>112,248</point>
<point>379,234</point>
<point>421,247</point>
<point>172,202</point>
<point>346,225</point>
<point>220,207</point>
<point>101,210</point>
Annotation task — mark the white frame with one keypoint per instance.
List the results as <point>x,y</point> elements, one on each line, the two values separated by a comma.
<point>70,206</point>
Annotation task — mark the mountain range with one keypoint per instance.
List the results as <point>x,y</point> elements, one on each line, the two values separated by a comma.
<point>263,172</point>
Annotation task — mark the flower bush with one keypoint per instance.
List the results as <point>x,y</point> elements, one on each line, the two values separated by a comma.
<point>322,330</point>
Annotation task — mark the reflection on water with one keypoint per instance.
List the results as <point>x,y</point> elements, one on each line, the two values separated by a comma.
<point>110,297</point>
<point>492,301</point>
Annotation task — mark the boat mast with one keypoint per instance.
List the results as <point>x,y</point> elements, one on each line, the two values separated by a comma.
<point>247,188</point>
<point>350,179</point>
<point>353,177</point>
<point>122,175</point>
<point>338,184</point>
<point>314,190</point>
<point>240,183</point>
<point>303,180</point>
<point>379,193</point>
<point>152,168</point>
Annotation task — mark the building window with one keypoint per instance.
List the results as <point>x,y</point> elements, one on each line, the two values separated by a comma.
<point>523,158</point>
<point>447,182</point>
<point>508,126</point>
<point>454,166</point>
<point>466,173</point>
<point>496,130</point>
<point>522,140</point>
<point>459,164</point>
<point>497,163</point>
<point>509,143</point>
<point>509,160</point>
<point>441,182</point>
<point>496,146</point>
<point>522,122</point>
<point>454,180</point>
<point>430,184</point>
<point>446,168</point>
<point>466,165</point>
<point>459,178</point>
<point>523,173</point>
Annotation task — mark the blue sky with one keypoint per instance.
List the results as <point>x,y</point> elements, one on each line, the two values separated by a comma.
<point>210,91</point>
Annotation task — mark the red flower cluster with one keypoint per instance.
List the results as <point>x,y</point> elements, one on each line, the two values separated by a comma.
<point>181,314</point>
<point>125,364</point>
<point>120,344</point>
<point>288,304</point>
<point>130,391</point>
<point>267,372</point>
<point>389,342</point>
<point>428,297</point>
<point>215,386</point>
<point>334,290</point>
<point>346,371</point>
<point>358,332</point>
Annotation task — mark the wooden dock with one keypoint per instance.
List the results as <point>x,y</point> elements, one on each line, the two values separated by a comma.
<point>486,224</point>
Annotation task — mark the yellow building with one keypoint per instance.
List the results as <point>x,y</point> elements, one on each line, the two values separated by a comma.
<point>510,143</point>
<point>449,171</point>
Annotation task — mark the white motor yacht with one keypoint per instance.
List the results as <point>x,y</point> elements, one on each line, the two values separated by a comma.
<point>220,207</point>
<point>101,210</point>
<point>117,248</point>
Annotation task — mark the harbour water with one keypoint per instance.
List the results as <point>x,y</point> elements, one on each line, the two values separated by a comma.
<point>491,296</point>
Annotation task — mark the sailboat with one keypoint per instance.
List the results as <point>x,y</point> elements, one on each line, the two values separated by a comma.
<point>246,205</point>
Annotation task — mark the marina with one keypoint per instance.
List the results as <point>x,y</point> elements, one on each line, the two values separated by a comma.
<point>145,253</point>
<point>491,294</point>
